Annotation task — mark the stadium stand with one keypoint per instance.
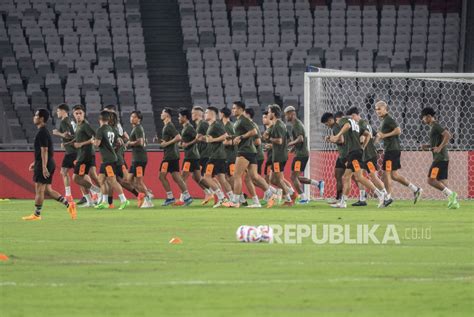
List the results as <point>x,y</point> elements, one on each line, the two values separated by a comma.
<point>93,51</point>
<point>257,51</point>
<point>89,52</point>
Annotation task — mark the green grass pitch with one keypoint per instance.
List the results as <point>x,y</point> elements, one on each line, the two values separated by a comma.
<point>119,263</point>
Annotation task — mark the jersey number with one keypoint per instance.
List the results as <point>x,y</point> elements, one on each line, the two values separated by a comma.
<point>354,125</point>
<point>111,137</point>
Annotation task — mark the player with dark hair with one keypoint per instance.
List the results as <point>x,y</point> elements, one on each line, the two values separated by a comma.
<point>389,133</point>
<point>268,147</point>
<point>216,167</point>
<point>229,147</point>
<point>299,144</point>
<point>257,141</point>
<point>104,140</point>
<point>43,168</point>
<point>85,163</point>
<point>137,142</point>
<point>350,130</point>
<point>332,122</point>
<point>66,133</point>
<point>121,172</point>
<point>369,157</point>
<point>111,108</point>
<point>191,154</point>
<point>197,114</point>
<point>278,137</point>
<point>170,138</point>
<point>246,157</point>
<point>439,140</point>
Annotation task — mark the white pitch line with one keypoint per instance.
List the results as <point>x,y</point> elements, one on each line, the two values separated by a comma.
<point>106,262</point>
<point>241,282</point>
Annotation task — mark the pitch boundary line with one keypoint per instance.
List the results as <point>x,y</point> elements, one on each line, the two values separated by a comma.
<point>237,282</point>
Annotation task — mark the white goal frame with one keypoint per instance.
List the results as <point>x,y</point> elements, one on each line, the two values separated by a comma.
<point>333,73</point>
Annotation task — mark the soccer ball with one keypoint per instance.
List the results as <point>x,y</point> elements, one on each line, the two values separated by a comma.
<point>248,234</point>
<point>266,233</point>
<point>240,234</point>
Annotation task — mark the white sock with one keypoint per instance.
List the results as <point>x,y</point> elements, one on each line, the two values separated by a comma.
<point>88,198</point>
<point>384,191</point>
<point>230,195</point>
<point>220,194</point>
<point>362,195</point>
<point>255,200</point>
<point>379,193</point>
<point>414,188</point>
<point>105,198</point>
<point>242,198</point>
<point>95,188</point>
<point>343,198</point>
<point>236,199</point>
<point>169,195</point>
<point>68,190</point>
<point>447,191</point>
<point>186,195</point>
<point>122,198</point>
<point>208,191</point>
<point>268,194</point>
<point>288,197</point>
<point>303,196</point>
<point>314,183</point>
<point>290,190</point>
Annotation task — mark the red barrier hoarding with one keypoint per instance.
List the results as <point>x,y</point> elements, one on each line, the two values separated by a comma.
<point>16,180</point>
<point>415,167</point>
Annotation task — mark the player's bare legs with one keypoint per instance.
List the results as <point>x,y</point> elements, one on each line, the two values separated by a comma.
<point>39,193</point>
<point>179,181</point>
<point>390,176</point>
<point>376,180</point>
<point>338,173</point>
<point>45,189</point>
<point>111,185</point>
<point>278,180</point>
<point>241,165</point>
<point>67,182</point>
<point>296,181</point>
<point>358,177</point>
<point>164,181</point>
<point>93,175</point>
<point>224,183</point>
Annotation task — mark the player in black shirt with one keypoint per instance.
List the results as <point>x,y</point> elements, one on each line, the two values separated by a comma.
<point>43,168</point>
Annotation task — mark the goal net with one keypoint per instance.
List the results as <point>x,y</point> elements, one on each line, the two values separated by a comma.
<point>451,95</point>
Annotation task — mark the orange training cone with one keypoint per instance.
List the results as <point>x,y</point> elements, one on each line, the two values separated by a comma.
<point>3,257</point>
<point>176,240</point>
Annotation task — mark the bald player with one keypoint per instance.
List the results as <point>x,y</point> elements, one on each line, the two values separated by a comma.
<point>389,133</point>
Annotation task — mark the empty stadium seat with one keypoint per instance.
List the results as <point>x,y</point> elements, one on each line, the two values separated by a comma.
<point>72,51</point>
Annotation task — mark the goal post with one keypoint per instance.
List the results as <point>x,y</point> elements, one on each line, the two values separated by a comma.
<point>450,94</point>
